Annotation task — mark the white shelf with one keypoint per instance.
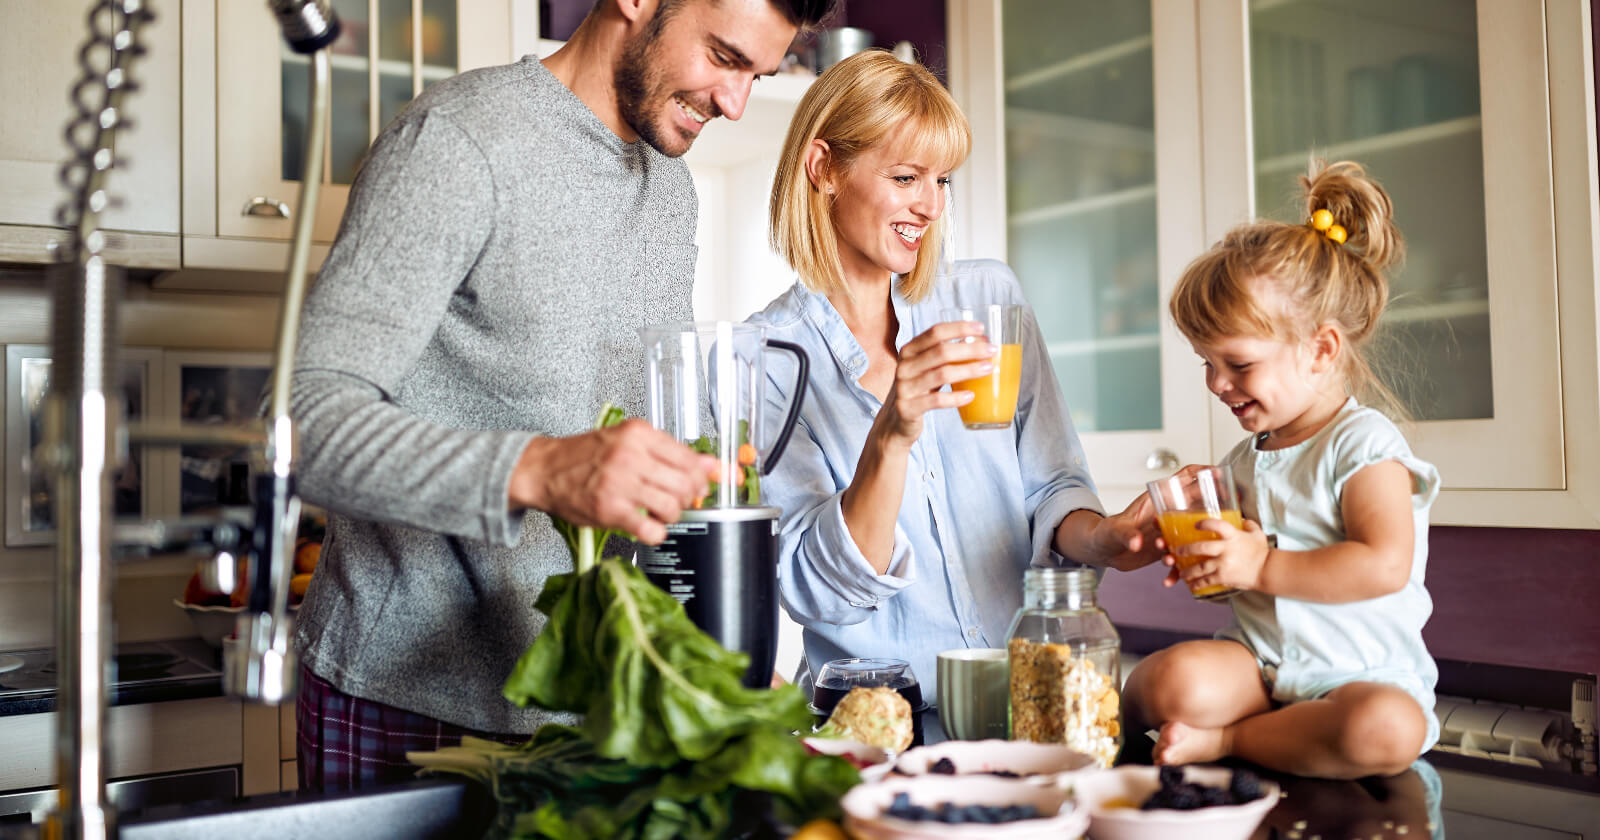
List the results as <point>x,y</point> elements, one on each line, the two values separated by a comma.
<point>1362,148</point>
<point>1080,130</point>
<point>1444,311</point>
<point>1078,63</point>
<point>1110,344</point>
<point>1078,207</point>
<point>360,64</point>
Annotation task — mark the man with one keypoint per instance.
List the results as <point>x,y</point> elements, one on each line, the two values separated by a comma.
<point>506,238</point>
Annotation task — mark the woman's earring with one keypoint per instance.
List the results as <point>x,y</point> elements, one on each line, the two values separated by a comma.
<point>947,243</point>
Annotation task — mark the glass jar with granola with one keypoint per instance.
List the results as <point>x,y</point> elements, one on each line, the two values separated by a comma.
<point>1065,665</point>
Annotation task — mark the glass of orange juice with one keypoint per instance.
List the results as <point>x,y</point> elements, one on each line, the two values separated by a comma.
<point>994,400</point>
<point>1183,501</point>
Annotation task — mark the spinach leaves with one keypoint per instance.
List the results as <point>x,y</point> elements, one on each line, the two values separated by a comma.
<point>671,745</point>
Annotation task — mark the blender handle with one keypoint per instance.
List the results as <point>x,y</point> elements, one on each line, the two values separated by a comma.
<point>801,381</point>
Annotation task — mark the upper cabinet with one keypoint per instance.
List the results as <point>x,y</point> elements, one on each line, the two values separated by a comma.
<point>38,68</point>
<point>245,109</point>
<point>1111,147</point>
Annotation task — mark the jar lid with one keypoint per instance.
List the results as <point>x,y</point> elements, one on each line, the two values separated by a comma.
<point>1062,579</point>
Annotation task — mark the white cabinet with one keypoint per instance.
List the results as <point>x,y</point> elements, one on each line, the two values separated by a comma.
<point>737,273</point>
<point>38,67</point>
<point>244,103</point>
<point>1112,148</point>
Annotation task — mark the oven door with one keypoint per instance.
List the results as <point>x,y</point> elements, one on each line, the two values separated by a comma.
<point>27,806</point>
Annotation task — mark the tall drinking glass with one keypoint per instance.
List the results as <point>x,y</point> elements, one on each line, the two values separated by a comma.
<point>994,401</point>
<point>1183,501</point>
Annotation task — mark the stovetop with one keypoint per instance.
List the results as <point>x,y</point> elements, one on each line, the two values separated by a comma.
<point>137,668</point>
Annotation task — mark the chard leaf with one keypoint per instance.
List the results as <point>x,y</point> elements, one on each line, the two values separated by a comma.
<point>654,689</point>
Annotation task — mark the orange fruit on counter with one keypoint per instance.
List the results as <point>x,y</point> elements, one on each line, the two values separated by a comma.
<point>306,557</point>
<point>298,584</point>
<point>820,830</point>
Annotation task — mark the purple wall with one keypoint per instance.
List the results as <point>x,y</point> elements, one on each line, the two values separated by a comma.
<point>1506,596</point>
<point>919,21</point>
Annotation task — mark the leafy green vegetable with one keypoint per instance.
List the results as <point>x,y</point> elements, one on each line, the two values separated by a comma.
<point>745,475</point>
<point>672,744</point>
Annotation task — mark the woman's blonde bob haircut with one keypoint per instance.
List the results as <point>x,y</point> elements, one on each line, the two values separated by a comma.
<point>857,104</point>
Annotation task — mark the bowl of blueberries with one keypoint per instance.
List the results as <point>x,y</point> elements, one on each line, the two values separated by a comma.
<point>1036,763</point>
<point>1194,802</point>
<point>945,807</point>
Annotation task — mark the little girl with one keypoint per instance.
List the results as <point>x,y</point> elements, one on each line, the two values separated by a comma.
<point>1322,671</point>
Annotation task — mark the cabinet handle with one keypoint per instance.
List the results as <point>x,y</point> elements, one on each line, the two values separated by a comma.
<point>1161,459</point>
<point>263,206</point>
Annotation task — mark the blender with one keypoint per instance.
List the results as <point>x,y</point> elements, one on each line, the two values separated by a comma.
<point>705,386</point>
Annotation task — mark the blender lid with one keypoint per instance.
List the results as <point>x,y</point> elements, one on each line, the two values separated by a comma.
<point>731,514</point>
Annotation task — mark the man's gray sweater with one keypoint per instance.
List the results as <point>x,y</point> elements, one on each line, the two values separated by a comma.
<point>500,250</point>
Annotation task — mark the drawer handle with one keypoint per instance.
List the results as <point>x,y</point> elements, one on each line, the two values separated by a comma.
<point>263,206</point>
<point>1161,459</point>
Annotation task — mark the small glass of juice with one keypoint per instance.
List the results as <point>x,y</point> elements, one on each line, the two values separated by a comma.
<point>1186,499</point>
<point>994,401</point>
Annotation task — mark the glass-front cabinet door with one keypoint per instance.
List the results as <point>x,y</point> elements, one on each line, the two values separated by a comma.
<point>388,51</point>
<point>1101,210</point>
<point>1113,142</point>
<point>1445,102</point>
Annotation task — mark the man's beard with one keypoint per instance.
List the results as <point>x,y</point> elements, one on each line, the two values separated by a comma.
<point>640,93</point>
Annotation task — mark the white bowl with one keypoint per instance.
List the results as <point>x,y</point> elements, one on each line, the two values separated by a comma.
<point>1136,783</point>
<point>1037,763</point>
<point>864,806</point>
<point>213,624</point>
<point>863,756</point>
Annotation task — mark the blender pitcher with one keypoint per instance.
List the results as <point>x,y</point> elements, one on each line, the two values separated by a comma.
<point>705,385</point>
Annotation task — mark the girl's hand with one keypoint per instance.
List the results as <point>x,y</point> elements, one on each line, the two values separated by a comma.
<point>929,362</point>
<point>1233,560</point>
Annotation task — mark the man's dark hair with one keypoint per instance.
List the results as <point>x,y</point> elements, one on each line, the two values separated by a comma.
<point>802,13</point>
<point>805,13</point>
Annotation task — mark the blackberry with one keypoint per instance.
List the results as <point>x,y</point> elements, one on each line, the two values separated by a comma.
<point>943,766</point>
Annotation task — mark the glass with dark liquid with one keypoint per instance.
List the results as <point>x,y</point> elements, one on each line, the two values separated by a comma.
<point>836,678</point>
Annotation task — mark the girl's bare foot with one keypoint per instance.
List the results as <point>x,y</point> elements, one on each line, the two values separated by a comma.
<point>1183,744</point>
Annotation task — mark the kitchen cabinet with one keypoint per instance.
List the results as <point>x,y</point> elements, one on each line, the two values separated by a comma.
<point>244,101</point>
<point>142,739</point>
<point>38,71</point>
<point>1112,147</point>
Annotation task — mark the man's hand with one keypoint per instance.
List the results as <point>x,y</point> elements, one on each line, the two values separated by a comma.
<point>629,476</point>
<point>1233,560</point>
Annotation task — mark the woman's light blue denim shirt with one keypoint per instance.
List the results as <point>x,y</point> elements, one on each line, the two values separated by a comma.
<point>979,506</point>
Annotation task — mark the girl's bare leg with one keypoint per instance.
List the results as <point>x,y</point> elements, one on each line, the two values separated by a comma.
<point>1358,729</point>
<point>1195,688</point>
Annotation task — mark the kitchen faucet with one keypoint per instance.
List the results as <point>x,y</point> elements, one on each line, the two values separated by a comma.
<point>83,441</point>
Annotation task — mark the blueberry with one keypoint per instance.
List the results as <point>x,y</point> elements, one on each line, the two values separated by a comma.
<point>1170,776</point>
<point>1244,787</point>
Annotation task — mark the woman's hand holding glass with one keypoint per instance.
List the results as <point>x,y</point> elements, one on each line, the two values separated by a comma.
<point>928,363</point>
<point>1127,540</point>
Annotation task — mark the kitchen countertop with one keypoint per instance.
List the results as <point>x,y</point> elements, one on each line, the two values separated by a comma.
<point>1443,795</point>
<point>1412,805</point>
<point>148,672</point>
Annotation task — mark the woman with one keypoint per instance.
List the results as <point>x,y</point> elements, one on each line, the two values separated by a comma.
<point>904,533</point>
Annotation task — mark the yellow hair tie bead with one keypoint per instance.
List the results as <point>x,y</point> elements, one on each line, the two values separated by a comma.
<point>1322,220</point>
<point>1335,233</point>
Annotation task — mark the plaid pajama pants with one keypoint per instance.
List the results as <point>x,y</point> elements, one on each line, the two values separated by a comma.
<point>344,742</point>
